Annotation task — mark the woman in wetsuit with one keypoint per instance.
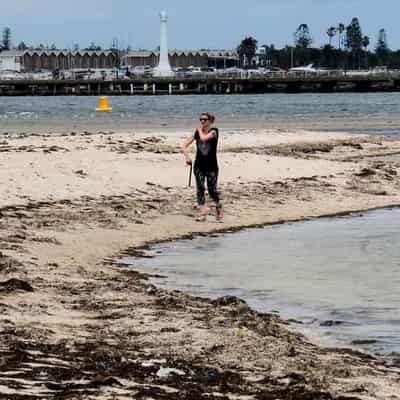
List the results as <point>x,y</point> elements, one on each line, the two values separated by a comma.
<point>206,164</point>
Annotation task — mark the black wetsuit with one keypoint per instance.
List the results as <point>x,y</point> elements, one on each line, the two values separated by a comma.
<point>206,167</point>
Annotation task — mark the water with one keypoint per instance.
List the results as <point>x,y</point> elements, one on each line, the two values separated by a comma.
<point>339,277</point>
<point>375,113</point>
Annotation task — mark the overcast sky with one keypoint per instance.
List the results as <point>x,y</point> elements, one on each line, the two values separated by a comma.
<point>192,24</point>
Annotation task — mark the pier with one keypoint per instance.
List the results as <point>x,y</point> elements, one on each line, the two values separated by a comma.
<point>214,84</point>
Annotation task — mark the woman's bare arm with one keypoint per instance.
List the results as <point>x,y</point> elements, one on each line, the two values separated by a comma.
<point>185,148</point>
<point>205,136</point>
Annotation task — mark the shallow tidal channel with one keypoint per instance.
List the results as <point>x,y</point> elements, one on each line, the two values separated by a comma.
<point>337,279</point>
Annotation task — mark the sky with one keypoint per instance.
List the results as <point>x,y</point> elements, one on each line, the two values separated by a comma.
<point>215,24</point>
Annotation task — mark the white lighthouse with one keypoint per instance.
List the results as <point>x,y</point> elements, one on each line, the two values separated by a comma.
<point>163,68</point>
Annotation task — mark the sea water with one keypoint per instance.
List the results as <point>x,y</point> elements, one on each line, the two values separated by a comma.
<point>339,278</point>
<point>374,113</point>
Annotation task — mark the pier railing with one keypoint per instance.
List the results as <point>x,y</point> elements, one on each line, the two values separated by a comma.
<point>207,83</point>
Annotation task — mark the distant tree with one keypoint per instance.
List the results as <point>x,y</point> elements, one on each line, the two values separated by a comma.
<point>354,41</point>
<point>22,46</point>
<point>331,32</point>
<point>6,38</point>
<point>93,47</point>
<point>326,56</point>
<point>365,43</point>
<point>382,49</point>
<point>354,36</point>
<point>340,29</point>
<point>247,49</point>
<point>302,36</point>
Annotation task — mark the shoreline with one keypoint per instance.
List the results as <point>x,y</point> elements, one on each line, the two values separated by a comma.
<point>69,311</point>
<point>140,252</point>
<point>234,229</point>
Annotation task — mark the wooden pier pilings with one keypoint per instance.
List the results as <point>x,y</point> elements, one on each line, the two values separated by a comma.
<point>200,85</point>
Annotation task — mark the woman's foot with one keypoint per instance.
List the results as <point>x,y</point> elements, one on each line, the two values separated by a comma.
<point>218,212</point>
<point>202,214</point>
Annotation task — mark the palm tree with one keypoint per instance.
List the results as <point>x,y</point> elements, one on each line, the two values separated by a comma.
<point>302,36</point>
<point>340,28</point>
<point>365,43</point>
<point>331,32</point>
<point>247,50</point>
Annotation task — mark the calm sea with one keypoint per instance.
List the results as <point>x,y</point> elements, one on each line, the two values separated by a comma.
<point>376,113</point>
<point>338,277</point>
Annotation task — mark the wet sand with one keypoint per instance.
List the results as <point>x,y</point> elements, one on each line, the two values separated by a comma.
<point>77,325</point>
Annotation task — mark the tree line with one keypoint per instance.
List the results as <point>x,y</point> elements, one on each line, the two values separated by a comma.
<point>346,48</point>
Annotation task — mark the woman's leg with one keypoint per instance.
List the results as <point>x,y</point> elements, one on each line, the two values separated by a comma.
<point>212,181</point>
<point>200,180</point>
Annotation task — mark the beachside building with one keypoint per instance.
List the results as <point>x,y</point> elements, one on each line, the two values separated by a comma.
<point>222,58</point>
<point>10,61</point>
<point>52,60</point>
<point>183,59</point>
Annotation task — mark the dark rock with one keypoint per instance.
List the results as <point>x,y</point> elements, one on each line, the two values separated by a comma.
<point>365,172</point>
<point>105,381</point>
<point>81,172</point>
<point>228,301</point>
<point>331,323</point>
<point>13,285</point>
<point>151,290</point>
<point>170,330</point>
<point>364,341</point>
<point>292,352</point>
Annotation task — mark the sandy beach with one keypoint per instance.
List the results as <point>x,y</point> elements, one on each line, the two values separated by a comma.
<point>75,324</point>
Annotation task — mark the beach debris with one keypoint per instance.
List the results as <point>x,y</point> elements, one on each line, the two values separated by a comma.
<point>8,264</point>
<point>240,332</point>
<point>360,342</point>
<point>104,381</point>
<point>228,301</point>
<point>377,192</point>
<point>81,173</point>
<point>153,362</point>
<point>13,285</point>
<point>51,149</point>
<point>151,290</point>
<point>166,372</point>
<point>330,323</point>
<point>292,352</point>
<point>355,145</point>
<point>169,329</point>
<point>365,172</point>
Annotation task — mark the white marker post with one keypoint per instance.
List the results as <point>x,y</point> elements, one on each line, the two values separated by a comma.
<point>164,68</point>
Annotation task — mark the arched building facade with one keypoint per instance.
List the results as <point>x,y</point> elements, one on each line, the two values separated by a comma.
<point>51,60</point>
<point>183,59</point>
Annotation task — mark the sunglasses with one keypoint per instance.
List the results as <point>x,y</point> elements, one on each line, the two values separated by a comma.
<point>203,119</point>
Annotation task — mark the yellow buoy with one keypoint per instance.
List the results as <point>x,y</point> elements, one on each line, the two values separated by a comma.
<point>103,104</point>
